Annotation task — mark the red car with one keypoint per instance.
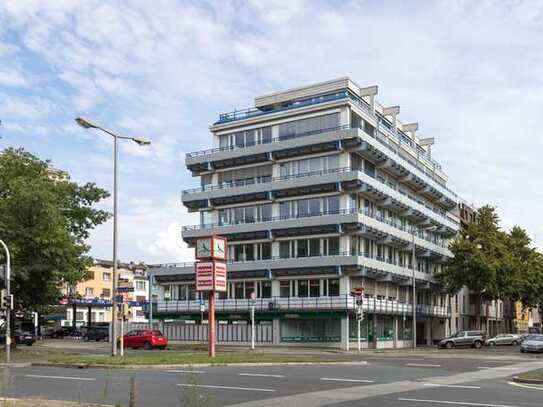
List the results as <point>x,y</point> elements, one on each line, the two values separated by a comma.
<point>146,339</point>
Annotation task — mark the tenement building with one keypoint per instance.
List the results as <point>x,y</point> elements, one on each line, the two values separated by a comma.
<point>320,190</point>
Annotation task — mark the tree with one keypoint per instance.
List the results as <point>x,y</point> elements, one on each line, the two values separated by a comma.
<point>479,254</point>
<point>45,221</point>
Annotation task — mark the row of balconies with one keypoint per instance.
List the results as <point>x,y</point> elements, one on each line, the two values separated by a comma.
<point>337,179</point>
<point>344,302</point>
<point>387,155</point>
<point>352,221</point>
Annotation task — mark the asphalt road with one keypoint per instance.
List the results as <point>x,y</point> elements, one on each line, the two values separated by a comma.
<point>479,380</point>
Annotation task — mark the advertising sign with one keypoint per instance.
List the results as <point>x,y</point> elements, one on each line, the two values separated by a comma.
<point>220,277</point>
<point>204,276</point>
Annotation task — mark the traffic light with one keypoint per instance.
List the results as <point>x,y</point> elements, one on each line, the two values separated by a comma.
<point>7,301</point>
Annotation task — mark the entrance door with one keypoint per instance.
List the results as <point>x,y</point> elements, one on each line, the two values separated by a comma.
<point>421,333</point>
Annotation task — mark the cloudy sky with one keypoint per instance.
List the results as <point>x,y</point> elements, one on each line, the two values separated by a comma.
<point>471,73</point>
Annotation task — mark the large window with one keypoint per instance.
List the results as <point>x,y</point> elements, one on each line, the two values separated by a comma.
<point>329,162</point>
<point>245,214</point>
<point>284,288</point>
<point>297,127</point>
<point>249,251</point>
<point>186,292</point>
<point>309,207</point>
<point>326,246</point>
<point>246,176</point>
<point>246,138</point>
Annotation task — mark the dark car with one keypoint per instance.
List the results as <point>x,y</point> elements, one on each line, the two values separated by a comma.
<point>24,337</point>
<point>96,333</point>
<point>66,331</point>
<point>474,339</point>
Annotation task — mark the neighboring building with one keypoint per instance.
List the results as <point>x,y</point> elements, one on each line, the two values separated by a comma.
<point>320,190</point>
<point>93,296</point>
<point>57,174</point>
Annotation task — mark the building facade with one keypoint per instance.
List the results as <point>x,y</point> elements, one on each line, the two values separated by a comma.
<point>320,190</point>
<point>91,299</point>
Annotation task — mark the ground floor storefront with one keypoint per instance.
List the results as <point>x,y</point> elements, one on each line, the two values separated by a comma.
<point>333,329</point>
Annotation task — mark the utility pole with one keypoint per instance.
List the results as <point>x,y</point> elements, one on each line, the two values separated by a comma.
<point>253,299</point>
<point>10,302</point>
<point>414,260</point>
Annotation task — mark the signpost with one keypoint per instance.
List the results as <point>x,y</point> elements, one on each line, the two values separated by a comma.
<point>211,277</point>
<point>359,313</point>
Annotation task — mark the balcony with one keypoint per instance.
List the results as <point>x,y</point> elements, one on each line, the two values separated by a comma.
<point>293,304</point>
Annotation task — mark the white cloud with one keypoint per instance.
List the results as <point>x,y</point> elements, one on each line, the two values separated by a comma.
<point>13,78</point>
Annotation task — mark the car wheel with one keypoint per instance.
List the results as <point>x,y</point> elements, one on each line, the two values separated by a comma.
<point>492,343</point>
<point>514,343</point>
<point>449,345</point>
<point>147,346</point>
<point>477,344</point>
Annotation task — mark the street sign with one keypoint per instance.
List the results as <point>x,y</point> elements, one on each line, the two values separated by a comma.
<point>219,276</point>
<point>204,276</point>
<point>359,291</point>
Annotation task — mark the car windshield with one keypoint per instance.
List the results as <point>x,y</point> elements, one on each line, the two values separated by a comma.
<point>157,333</point>
<point>538,338</point>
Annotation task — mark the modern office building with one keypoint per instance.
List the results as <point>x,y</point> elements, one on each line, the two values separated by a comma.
<point>319,190</point>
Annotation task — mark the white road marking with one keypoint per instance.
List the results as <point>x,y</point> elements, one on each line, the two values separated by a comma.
<point>458,403</point>
<point>262,375</point>
<point>497,367</point>
<point>37,376</point>
<point>454,386</point>
<point>527,386</point>
<point>421,365</point>
<point>185,371</point>
<point>331,379</point>
<point>209,386</point>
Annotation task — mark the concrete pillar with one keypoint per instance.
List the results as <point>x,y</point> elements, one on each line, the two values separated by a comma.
<point>395,337</point>
<point>344,285</point>
<point>345,333</point>
<point>428,327</point>
<point>276,329</point>
<point>275,288</point>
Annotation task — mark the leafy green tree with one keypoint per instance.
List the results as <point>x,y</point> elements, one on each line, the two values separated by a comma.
<point>45,220</point>
<point>480,253</point>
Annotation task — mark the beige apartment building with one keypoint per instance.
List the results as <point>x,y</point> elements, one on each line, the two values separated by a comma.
<point>93,296</point>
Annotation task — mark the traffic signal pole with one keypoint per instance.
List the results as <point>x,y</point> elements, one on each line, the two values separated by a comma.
<point>8,309</point>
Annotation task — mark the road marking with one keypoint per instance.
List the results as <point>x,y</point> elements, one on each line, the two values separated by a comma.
<point>454,386</point>
<point>421,365</point>
<point>331,379</point>
<point>458,403</point>
<point>185,371</point>
<point>527,386</point>
<point>497,367</point>
<point>209,386</point>
<point>37,376</point>
<point>262,375</point>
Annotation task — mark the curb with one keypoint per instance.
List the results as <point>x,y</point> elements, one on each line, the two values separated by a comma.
<point>517,379</point>
<point>162,367</point>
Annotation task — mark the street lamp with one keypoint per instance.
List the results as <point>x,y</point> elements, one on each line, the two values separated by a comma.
<point>414,261</point>
<point>8,293</point>
<point>142,142</point>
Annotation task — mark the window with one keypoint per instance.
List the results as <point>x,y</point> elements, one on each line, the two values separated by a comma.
<point>89,291</point>
<point>333,246</point>
<point>292,129</point>
<point>140,285</point>
<point>106,276</point>
<point>265,251</point>
<point>265,289</point>
<point>303,288</point>
<point>314,247</point>
<point>309,165</point>
<point>244,214</point>
<point>302,248</point>
<point>284,289</point>
<point>106,292</point>
<point>284,250</point>
<point>249,289</point>
<point>314,288</point>
<point>333,287</point>
<point>79,315</point>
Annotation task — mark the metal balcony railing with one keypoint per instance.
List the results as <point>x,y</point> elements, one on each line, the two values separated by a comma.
<point>289,304</point>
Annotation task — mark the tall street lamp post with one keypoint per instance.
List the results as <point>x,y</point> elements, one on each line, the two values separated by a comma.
<point>8,310</point>
<point>414,260</point>
<point>142,142</point>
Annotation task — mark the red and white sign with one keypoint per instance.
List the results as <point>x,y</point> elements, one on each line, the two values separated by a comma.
<point>359,291</point>
<point>204,276</point>
<point>211,276</point>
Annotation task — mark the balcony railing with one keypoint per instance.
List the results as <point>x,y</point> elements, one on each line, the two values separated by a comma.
<point>270,141</point>
<point>365,211</point>
<point>254,112</point>
<point>288,304</point>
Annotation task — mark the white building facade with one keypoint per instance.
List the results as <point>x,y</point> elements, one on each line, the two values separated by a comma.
<point>320,190</point>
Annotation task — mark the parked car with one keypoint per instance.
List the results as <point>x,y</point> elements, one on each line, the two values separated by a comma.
<point>96,333</point>
<point>504,339</point>
<point>474,339</point>
<point>532,343</point>
<point>145,338</point>
<point>66,331</point>
<point>24,337</point>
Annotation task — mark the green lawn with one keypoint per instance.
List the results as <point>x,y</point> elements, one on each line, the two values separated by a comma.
<point>534,374</point>
<point>174,358</point>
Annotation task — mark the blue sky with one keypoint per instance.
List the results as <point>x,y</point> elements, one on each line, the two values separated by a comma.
<point>468,72</point>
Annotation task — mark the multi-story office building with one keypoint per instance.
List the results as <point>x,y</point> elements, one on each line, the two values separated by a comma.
<point>320,190</point>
